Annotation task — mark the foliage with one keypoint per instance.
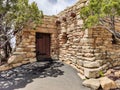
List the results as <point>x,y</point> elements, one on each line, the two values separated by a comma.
<point>14,16</point>
<point>102,12</point>
<point>101,73</point>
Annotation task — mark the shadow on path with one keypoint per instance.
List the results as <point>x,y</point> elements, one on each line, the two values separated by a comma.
<point>19,77</point>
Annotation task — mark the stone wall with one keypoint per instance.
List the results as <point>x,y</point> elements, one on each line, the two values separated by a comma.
<point>91,51</point>
<point>26,43</point>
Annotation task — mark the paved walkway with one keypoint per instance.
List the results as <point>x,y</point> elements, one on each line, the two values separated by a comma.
<point>55,76</point>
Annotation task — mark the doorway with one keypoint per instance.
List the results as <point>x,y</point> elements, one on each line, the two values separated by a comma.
<point>42,46</point>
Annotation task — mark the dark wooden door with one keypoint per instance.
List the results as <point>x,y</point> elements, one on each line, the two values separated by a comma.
<point>42,46</point>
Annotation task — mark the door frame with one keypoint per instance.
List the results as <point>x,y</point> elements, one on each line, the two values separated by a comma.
<point>49,46</point>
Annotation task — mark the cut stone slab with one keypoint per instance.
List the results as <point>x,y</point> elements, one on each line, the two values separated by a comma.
<point>92,83</point>
<point>19,49</point>
<point>89,59</point>
<point>19,53</point>
<point>92,73</point>
<point>31,46</point>
<point>107,83</point>
<point>89,64</point>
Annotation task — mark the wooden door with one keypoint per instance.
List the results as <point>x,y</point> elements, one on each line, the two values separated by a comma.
<point>42,46</point>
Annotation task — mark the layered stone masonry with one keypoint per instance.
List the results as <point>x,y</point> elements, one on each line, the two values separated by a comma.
<point>26,43</point>
<point>91,50</point>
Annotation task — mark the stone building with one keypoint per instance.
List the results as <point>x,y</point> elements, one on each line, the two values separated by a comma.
<point>61,37</point>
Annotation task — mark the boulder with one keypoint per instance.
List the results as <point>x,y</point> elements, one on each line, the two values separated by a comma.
<point>107,83</point>
<point>92,83</point>
<point>15,59</point>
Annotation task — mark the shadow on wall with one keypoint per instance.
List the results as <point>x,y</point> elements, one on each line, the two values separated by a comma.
<point>19,77</point>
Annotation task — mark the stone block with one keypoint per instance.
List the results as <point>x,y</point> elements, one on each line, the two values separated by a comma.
<point>33,49</point>
<point>80,22</point>
<point>89,58</point>
<point>89,55</point>
<point>117,74</point>
<point>19,53</point>
<point>16,65</point>
<point>92,83</point>
<point>19,49</point>
<point>92,73</point>
<point>33,60</point>
<point>89,64</point>
<point>107,83</point>
<point>15,59</point>
<point>108,72</point>
<point>30,55</point>
<point>68,61</point>
<point>32,33</point>
<point>5,67</point>
<point>76,40</point>
<point>31,37</point>
<point>79,62</point>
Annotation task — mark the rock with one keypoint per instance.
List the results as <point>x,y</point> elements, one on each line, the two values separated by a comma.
<point>89,59</point>
<point>92,83</point>
<point>108,72</point>
<point>68,62</point>
<point>17,64</point>
<point>19,53</point>
<point>33,49</point>
<point>117,74</point>
<point>11,59</point>
<point>31,46</point>
<point>117,83</point>
<point>19,49</point>
<point>107,83</point>
<point>29,55</point>
<point>89,64</point>
<point>79,62</point>
<point>33,60</point>
<point>5,67</point>
<point>80,22</point>
<point>15,59</point>
<point>92,73</point>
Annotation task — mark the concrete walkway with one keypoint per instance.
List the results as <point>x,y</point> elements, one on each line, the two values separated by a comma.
<point>57,76</point>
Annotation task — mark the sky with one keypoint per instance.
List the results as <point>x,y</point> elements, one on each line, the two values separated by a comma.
<point>53,7</point>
